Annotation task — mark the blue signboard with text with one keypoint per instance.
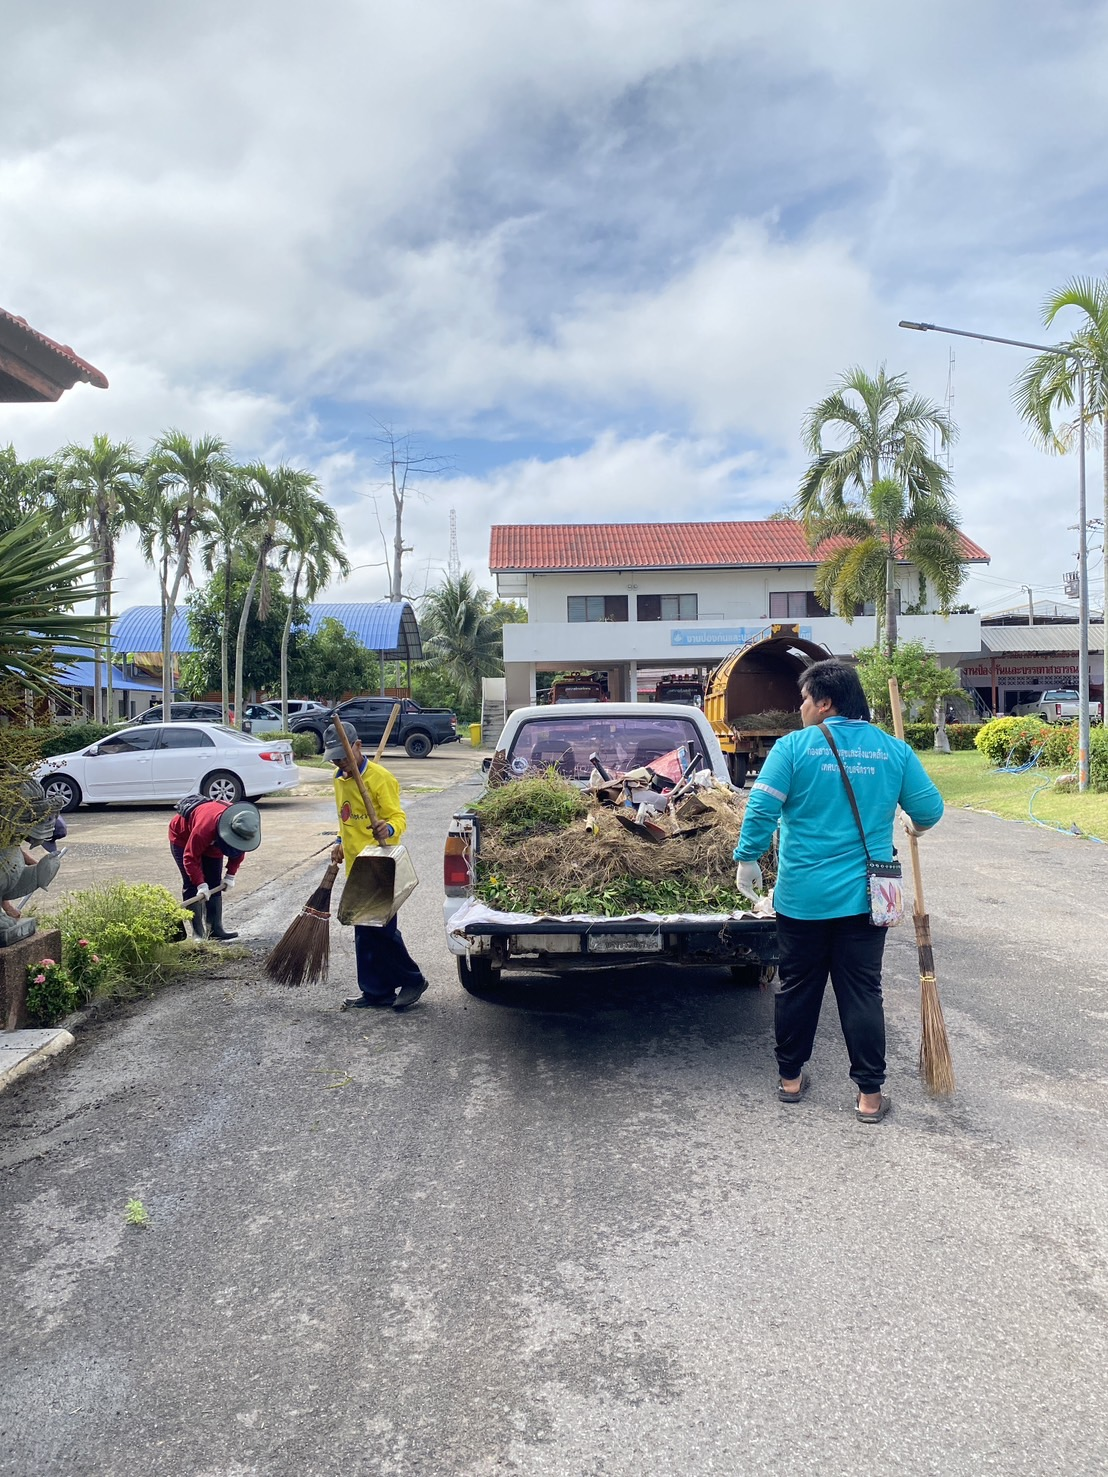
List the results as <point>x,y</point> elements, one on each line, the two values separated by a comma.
<point>723,635</point>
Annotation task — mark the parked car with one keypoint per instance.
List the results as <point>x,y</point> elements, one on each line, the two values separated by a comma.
<point>261,718</point>
<point>1059,705</point>
<point>418,729</point>
<point>300,705</point>
<point>184,712</point>
<point>165,761</point>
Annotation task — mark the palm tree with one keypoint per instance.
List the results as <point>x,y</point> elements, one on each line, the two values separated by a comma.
<point>99,485</point>
<point>463,634</point>
<point>27,487</point>
<point>312,549</point>
<point>861,547</point>
<point>182,477</point>
<point>1049,383</point>
<point>43,574</point>
<point>272,498</point>
<point>226,522</point>
<point>886,430</point>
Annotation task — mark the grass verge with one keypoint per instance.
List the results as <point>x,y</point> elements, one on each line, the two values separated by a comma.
<point>968,780</point>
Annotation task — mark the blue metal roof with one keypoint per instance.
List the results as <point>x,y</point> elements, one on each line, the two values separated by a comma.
<point>384,626</point>
<point>140,629</point>
<point>83,674</point>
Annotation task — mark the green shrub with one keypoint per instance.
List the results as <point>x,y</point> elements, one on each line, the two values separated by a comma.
<point>1059,750</point>
<point>65,738</point>
<point>303,744</point>
<point>920,735</point>
<point>962,735</point>
<point>51,993</point>
<point>1011,740</point>
<point>118,929</point>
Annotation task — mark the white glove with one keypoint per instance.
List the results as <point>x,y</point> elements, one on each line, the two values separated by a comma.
<point>911,828</point>
<point>229,881</point>
<point>748,879</point>
<point>202,893</point>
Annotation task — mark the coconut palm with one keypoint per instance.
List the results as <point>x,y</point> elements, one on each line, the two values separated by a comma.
<point>182,479</point>
<point>886,432</point>
<point>1047,388</point>
<point>99,485</point>
<point>272,498</point>
<point>312,549</point>
<point>861,546</point>
<point>463,634</point>
<point>225,530</point>
<point>43,574</point>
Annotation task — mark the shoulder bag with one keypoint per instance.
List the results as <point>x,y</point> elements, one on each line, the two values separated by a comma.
<point>885,879</point>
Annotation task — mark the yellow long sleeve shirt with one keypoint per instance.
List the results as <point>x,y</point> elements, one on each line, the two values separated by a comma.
<point>355,831</point>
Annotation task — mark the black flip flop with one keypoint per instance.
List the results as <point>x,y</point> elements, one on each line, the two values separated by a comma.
<point>882,1112</point>
<point>794,1097</point>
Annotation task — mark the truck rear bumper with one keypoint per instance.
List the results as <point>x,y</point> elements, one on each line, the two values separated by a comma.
<point>565,944</point>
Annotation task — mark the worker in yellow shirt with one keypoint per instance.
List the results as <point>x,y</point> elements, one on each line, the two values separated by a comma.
<point>388,976</point>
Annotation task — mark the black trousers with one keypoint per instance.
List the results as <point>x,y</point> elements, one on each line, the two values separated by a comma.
<point>849,950</point>
<point>210,866</point>
<point>384,964</point>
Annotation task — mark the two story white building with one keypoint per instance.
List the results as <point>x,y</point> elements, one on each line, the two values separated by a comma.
<point>637,600</point>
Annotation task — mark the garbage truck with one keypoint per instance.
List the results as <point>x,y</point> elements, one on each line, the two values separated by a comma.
<point>753,696</point>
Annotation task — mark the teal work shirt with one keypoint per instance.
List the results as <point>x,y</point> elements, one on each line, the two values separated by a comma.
<point>821,861</point>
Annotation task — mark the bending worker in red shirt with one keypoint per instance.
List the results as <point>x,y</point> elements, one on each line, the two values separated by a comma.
<point>202,835</point>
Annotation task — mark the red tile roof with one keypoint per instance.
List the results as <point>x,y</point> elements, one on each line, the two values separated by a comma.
<point>34,367</point>
<point>535,547</point>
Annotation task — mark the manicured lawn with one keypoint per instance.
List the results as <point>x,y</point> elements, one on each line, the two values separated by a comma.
<point>967,779</point>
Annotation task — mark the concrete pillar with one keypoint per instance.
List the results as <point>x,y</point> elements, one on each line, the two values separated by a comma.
<point>632,682</point>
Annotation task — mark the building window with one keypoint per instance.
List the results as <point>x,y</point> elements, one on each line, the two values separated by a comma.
<point>667,608</point>
<point>794,605</point>
<point>596,607</point>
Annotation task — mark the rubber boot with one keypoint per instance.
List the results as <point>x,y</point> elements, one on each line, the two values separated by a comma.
<point>214,910</point>
<point>199,931</point>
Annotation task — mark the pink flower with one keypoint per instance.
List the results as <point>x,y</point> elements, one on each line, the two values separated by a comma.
<point>82,943</point>
<point>96,959</point>
<point>46,963</point>
<point>40,979</point>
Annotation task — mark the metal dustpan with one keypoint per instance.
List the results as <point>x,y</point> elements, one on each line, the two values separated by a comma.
<point>379,881</point>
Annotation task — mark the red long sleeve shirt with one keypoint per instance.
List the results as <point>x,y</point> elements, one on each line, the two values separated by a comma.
<point>195,834</point>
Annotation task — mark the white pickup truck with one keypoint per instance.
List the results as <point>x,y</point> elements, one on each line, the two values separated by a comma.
<point>1059,705</point>
<point>624,736</point>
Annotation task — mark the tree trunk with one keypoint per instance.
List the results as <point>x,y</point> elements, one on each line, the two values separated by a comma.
<point>1104,542</point>
<point>285,647</point>
<point>98,652</point>
<point>240,644</point>
<point>109,569</point>
<point>224,656</point>
<point>942,743</point>
<point>397,543</point>
<point>890,604</point>
<point>184,541</point>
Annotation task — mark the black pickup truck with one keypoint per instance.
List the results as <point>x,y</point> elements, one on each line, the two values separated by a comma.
<point>418,729</point>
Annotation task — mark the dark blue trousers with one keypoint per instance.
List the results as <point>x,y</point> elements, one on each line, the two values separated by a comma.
<point>384,964</point>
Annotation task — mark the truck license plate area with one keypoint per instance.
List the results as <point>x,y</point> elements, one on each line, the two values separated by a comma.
<point>544,943</point>
<point>625,943</point>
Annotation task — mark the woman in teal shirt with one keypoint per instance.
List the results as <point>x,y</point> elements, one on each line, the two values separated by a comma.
<point>821,896</point>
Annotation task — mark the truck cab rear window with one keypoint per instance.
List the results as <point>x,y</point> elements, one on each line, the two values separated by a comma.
<point>622,743</point>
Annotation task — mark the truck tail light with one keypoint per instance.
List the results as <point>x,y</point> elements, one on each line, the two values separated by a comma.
<point>455,866</point>
<point>453,721</point>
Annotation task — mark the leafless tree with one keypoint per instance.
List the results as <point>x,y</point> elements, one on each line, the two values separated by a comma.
<point>406,464</point>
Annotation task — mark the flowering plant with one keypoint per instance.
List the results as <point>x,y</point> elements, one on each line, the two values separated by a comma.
<point>51,992</point>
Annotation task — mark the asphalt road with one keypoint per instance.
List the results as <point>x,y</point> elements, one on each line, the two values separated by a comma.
<point>575,1234</point>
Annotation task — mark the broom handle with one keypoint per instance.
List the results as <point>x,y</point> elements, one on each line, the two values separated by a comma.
<point>389,726</point>
<point>913,842</point>
<point>371,814</point>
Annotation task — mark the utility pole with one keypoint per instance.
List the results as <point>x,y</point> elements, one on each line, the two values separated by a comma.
<point>1030,604</point>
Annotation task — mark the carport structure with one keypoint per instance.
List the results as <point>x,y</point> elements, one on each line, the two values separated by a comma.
<point>36,368</point>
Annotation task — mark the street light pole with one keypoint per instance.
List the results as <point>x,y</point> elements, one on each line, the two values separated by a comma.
<point>1082,526</point>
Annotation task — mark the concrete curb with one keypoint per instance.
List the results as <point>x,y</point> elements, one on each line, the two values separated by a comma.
<point>26,1051</point>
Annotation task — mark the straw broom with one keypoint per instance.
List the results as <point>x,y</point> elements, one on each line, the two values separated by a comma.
<point>935,1063</point>
<point>303,953</point>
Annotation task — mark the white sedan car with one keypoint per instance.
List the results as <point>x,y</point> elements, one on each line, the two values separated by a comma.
<point>164,761</point>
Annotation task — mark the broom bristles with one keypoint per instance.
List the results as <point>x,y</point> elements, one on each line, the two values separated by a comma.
<point>935,1062</point>
<point>303,952</point>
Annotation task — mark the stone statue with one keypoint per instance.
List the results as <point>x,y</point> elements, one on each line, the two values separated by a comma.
<point>26,813</point>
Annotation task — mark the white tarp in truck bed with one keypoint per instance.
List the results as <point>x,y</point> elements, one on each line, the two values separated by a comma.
<point>474,911</point>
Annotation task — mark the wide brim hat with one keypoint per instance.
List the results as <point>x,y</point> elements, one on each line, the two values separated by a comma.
<point>333,750</point>
<point>240,826</point>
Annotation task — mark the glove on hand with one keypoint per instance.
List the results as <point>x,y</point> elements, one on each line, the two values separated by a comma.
<point>203,893</point>
<point>229,881</point>
<point>748,879</point>
<point>911,828</point>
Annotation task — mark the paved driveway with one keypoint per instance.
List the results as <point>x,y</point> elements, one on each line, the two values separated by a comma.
<point>575,1234</point>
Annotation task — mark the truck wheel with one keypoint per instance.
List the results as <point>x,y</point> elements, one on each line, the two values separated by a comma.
<point>418,745</point>
<point>748,976</point>
<point>739,764</point>
<point>479,976</point>
<point>316,738</point>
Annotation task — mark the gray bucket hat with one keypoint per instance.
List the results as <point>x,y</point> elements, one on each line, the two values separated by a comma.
<point>333,750</point>
<point>240,826</point>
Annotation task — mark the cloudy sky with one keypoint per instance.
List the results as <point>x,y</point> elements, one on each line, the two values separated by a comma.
<point>599,255</point>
